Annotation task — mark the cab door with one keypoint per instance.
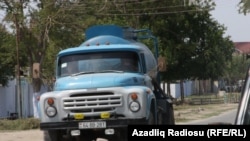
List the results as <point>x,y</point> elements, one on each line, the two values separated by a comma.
<point>165,110</point>
<point>243,112</point>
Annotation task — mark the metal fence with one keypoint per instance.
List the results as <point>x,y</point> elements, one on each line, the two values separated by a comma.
<point>10,100</point>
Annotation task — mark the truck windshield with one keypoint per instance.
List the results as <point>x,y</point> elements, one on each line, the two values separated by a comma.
<point>98,62</point>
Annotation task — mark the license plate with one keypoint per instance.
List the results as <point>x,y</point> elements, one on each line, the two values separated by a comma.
<point>90,125</point>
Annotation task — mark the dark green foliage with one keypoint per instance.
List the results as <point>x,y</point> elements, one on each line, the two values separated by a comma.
<point>7,56</point>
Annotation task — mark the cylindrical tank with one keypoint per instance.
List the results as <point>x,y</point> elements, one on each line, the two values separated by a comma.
<point>150,60</point>
<point>121,35</point>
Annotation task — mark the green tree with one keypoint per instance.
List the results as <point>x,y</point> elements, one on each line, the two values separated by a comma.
<point>7,56</point>
<point>244,6</point>
<point>44,29</point>
<point>192,42</point>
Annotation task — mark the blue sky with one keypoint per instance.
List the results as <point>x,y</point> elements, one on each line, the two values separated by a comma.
<point>238,25</point>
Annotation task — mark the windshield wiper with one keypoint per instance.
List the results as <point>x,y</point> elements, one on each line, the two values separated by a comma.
<point>104,71</point>
<point>80,73</point>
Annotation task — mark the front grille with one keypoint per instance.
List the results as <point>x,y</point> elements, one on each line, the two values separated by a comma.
<point>92,103</point>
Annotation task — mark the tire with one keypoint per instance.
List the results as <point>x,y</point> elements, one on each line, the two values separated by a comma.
<point>124,135</point>
<point>166,118</point>
<point>50,136</point>
<point>160,118</point>
<point>170,120</point>
<point>53,135</point>
<point>151,119</point>
<point>120,135</point>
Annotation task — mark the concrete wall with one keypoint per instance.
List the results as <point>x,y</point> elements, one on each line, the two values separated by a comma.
<point>176,91</point>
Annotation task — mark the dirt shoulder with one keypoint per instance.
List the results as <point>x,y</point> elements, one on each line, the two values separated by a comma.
<point>187,113</point>
<point>26,135</point>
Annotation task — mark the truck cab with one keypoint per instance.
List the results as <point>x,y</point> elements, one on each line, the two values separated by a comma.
<point>105,84</point>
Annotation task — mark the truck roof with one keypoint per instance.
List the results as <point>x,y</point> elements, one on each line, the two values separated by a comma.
<point>101,48</point>
<point>105,43</point>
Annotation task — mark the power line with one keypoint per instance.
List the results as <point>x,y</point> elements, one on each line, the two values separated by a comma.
<point>156,13</point>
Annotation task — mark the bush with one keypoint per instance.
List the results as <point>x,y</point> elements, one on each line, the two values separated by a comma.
<point>19,124</point>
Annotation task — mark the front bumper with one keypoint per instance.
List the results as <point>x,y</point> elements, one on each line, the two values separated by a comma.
<point>111,123</point>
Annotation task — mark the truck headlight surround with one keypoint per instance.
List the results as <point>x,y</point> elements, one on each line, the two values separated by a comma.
<point>51,111</point>
<point>134,106</point>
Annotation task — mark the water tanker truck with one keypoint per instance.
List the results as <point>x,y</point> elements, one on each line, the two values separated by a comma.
<point>103,85</point>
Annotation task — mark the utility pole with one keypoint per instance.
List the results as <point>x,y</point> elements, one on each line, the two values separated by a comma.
<point>19,94</point>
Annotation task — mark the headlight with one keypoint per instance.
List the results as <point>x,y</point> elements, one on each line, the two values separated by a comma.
<point>51,111</point>
<point>134,106</point>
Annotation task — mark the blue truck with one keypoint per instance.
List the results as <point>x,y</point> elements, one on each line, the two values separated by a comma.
<point>103,85</point>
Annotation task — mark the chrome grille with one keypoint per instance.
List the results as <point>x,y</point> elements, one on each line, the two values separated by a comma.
<point>94,103</point>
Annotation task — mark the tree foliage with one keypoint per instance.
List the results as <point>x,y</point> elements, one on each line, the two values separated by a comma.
<point>192,42</point>
<point>7,58</point>
<point>244,6</point>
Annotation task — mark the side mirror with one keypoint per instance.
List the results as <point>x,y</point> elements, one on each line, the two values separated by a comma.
<point>162,65</point>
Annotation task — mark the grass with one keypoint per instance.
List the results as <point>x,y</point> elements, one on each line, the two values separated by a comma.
<point>19,124</point>
<point>215,96</point>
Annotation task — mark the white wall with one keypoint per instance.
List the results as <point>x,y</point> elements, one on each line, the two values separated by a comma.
<point>175,89</point>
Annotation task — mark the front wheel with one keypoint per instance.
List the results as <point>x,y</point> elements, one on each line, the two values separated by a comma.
<point>120,135</point>
<point>170,120</point>
<point>151,119</point>
<point>167,117</point>
<point>55,135</point>
<point>50,135</point>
